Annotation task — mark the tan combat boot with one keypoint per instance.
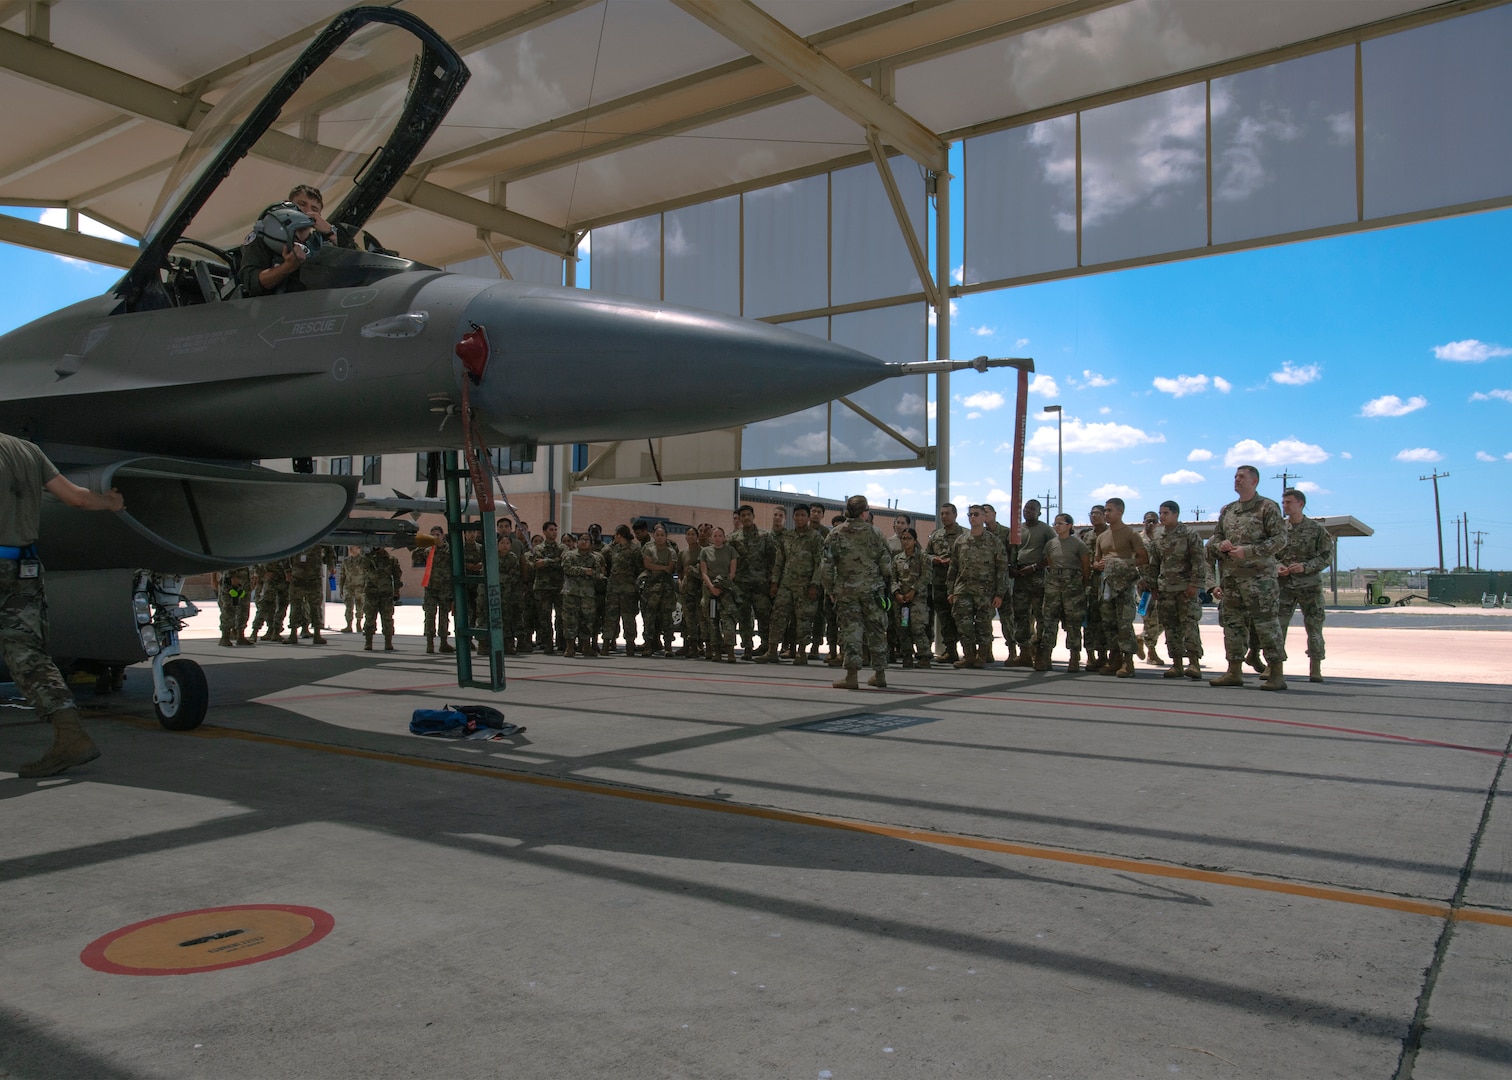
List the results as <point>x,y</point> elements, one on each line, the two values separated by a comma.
<point>968,657</point>
<point>1252,658</point>
<point>1139,649</point>
<point>1153,658</point>
<point>430,646</point>
<point>388,642</point>
<point>1175,671</point>
<point>226,639</point>
<point>242,639</point>
<point>924,660</point>
<point>317,639</point>
<point>571,649</point>
<point>446,646</point>
<point>1126,669</point>
<point>847,682</point>
<point>1314,669</point>
<point>367,642</point>
<point>1233,677</point>
<point>1074,664</point>
<point>1194,667</point>
<point>1041,659</point>
<point>982,656</point>
<point>1111,664</point>
<point>878,679</point>
<point>71,746</point>
<point>1275,678</point>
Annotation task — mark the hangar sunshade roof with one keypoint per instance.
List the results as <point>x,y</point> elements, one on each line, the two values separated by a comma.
<point>581,114</point>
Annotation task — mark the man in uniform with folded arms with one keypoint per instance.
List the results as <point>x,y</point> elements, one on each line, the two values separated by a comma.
<point>1120,555</point>
<point>1249,534</point>
<point>24,472</point>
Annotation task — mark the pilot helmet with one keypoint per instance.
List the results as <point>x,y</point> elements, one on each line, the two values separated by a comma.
<point>280,223</point>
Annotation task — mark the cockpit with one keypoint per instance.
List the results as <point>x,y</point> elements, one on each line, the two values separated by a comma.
<point>195,272</point>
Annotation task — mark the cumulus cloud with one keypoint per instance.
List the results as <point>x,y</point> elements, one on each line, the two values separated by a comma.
<point>1108,491</point>
<point>931,410</point>
<point>998,495</point>
<point>1182,385</point>
<point>958,275</point>
<point>1020,343</point>
<point>1291,375</point>
<point>1044,384</point>
<point>1095,380</point>
<point>1182,476</point>
<point>1470,351</point>
<point>1391,405</point>
<point>1310,488</point>
<point>1034,464</point>
<point>1346,455</point>
<point>1221,384</point>
<point>1504,395</point>
<point>983,399</point>
<point>984,331</point>
<point>1481,455</point>
<point>1200,455</point>
<point>1105,410</point>
<point>1083,438</point>
<point>1287,451</point>
<point>1421,453</point>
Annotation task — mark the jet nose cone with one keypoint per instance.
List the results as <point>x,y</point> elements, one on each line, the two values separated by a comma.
<point>571,365</point>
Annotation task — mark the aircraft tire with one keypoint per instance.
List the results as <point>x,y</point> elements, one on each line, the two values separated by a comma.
<point>190,699</point>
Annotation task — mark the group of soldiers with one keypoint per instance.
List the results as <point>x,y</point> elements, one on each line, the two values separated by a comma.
<point>293,590</point>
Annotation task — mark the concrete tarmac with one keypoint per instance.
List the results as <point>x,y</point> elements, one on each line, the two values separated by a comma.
<point>1014,875</point>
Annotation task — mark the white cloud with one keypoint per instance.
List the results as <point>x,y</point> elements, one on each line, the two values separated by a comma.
<point>1105,410</point>
<point>955,310</point>
<point>984,331</point>
<point>1391,405</point>
<point>1507,457</point>
<point>1504,395</point>
<point>930,410</point>
<point>1044,384</point>
<point>1291,375</point>
<point>1481,455</point>
<point>1182,476</point>
<point>1020,343</point>
<point>983,399</point>
<point>1421,453</point>
<point>1200,455</point>
<point>1108,491</point>
<point>958,275</point>
<point>1182,385</point>
<point>1470,351</point>
<point>1083,438</point>
<point>1346,455</point>
<point>998,495</point>
<point>1096,380</point>
<point>877,494</point>
<point>1310,488</point>
<point>1221,384</point>
<point>973,416</point>
<point>1033,464</point>
<point>1288,451</point>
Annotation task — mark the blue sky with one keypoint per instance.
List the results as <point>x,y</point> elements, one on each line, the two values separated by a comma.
<point>1359,362</point>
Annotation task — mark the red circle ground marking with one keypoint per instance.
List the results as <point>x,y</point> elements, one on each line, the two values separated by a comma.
<point>209,939</point>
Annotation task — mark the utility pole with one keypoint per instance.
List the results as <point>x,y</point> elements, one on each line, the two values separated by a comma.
<point>1438,516</point>
<point>1196,513</point>
<point>1457,563</point>
<point>1286,479</point>
<point>1478,541</point>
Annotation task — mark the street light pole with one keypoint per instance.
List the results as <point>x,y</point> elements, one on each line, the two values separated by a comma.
<point>1060,476</point>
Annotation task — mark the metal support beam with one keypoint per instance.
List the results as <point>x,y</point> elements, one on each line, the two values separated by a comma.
<point>900,211</point>
<point>942,337</point>
<point>745,24</point>
<point>493,253</point>
<point>74,245</point>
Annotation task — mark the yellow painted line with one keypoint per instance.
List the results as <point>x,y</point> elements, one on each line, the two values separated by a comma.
<point>1432,908</point>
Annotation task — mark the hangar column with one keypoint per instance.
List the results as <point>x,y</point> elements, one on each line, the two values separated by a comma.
<point>942,337</point>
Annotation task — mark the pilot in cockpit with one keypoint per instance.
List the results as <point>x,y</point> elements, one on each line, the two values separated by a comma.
<point>276,248</point>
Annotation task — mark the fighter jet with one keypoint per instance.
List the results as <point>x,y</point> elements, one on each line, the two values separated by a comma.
<point>171,386</point>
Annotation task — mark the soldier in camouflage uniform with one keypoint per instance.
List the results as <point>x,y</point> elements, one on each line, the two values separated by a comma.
<point>689,592</point>
<point>622,597</point>
<point>307,583</point>
<point>1177,573</point>
<point>1307,553</point>
<point>546,586</point>
<point>1147,642</point>
<point>440,596</point>
<point>1243,547</point>
<point>511,583</point>
<point>582,568</point>
<point>1096,639</point>
<point>794,587</point>
<point>910,612</point>
<point>270,582</point>
<point>1068,570</point>
<point>349,580</point>
<point>234,594</point>
<point>937,550</point>
<point>824,608</point>
<point>1005,613</point>
<point>1120,554</point>
<point>857,571</point>
<point>978,578</point>
<point>661,561</point>
<point>754,555</point>
<point>1027,569</point>
<point>24,472</point>
<point>716,608</point>
<point>382,580</point>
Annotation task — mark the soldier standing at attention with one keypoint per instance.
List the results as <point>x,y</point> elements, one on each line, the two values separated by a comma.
<point>511,580</point>
<point>272,598</point>
<point>717,564</point>
<point>233,593</point>
<point>1096,647</point>
<point>622,597</point>
<point>911,599</point>
<point>795,588</point>
<point>660,560</point>
<point>24,472</point>
<point>1307,553</point>
<point>307,592</point>
<point>857,572</point>
<point>1243,546</point>
<point>349,580</point>
<point>1178,569</point>
<point>1120,554</point>
<point>439,596</point>
<point>1029,583</point>
<point>941,541</point>
<point>824,607</point>
<point>582,569</point>
<point>546,585</point>
<point>382,580</point>
<point>753,588</point>
<point>1005,612</point>
<point>1147,644</point>
<point>689,592</point>
<point>1068,569</point>
<point>978,579</point>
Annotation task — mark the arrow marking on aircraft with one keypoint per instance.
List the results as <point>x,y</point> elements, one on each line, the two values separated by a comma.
<point>297,329</point>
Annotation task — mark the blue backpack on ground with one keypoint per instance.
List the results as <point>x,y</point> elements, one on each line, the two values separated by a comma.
<point>448,723</point>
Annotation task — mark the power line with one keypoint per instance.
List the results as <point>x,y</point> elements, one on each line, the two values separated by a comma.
<point>1438,516</point>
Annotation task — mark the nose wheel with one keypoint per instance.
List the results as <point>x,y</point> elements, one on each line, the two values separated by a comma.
<point>184,698</point>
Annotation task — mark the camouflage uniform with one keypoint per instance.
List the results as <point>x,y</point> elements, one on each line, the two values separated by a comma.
<point>940,543</point>
<point>1065,596</point>
<point>272,597</point>
<point>794,571</point>
<point>1005,612</point>
<point>546,589</point>
<point>349,579</point>
<point>911,576</point>
<point>754,555</point>
<point>1308,543</point>
<point>824,607</point>
<point>978,572</point>
<point>234,594</point>
<point>1153,622</point>
<point>660,596</point>
<point>581,572</point>
<point>1119,576</point>
<point>511,584</point>
<point>857,572</point>
<point>717,613</point>
<point>307,590</point>
<point>382,579</point>
<point>689,593</point>
<point>1177,563</point>
<point>622,597</point>
<point>440,596</point>
<point>1250,589</point>
<point>1029,583</point>
<point>1096,637</point>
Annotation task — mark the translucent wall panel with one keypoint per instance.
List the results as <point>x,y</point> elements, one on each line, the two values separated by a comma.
<point>626,258</point>
<point>525,264</point>
<point>870,257</point>
<point>1021,201</point>
<point>702,256</point>
<point>895,333</point>
<point>786,249</point>
<point>1284,147</point>
<point>792,441</point>
<point>1144,180</point>
<point>1436,129</point>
